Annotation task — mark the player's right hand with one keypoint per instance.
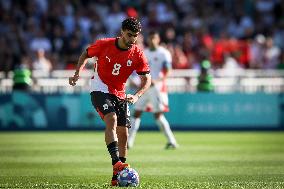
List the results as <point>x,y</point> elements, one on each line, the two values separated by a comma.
<point>73,80</point>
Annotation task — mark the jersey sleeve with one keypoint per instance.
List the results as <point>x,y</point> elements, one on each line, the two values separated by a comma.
<point>94,49</point>
<point>143,67</point>
<point>167,64</point>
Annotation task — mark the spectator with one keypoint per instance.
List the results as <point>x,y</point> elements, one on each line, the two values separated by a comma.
<point>5,54</point>
<point>271,55</point>
<point>180,60</point>
<point>199,27</point>
<point>72,51</point>
<point>114,19</point>
<point>241,26</point>
<point>40,41</point>
<point>257,51</point>
<point>41,63</point>
<point>231,65</point>
<point>57,38</point>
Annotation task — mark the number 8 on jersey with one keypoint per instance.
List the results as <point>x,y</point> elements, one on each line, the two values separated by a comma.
<point>116,68</point>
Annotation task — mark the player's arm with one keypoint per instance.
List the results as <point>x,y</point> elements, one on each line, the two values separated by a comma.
<point>80,65</point>
<point>166,67</point>
<point>145,84</point>
<point>166,72</point>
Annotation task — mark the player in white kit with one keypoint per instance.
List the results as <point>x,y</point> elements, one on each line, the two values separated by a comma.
<point>156,98</point>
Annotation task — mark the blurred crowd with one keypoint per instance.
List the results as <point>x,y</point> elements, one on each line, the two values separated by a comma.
<point>232,34</point>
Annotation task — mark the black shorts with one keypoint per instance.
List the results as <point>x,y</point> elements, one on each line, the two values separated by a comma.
<point>106,103</point>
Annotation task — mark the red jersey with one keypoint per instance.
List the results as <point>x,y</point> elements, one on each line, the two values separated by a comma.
<point>115,65</point>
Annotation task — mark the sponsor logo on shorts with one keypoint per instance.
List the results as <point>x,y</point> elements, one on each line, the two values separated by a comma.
<point>105,106</point>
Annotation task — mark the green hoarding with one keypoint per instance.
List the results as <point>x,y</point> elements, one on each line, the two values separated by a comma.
<point>208,110</point>
<point>187,111</point>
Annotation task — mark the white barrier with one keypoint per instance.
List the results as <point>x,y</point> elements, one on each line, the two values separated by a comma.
<point>224,81</point>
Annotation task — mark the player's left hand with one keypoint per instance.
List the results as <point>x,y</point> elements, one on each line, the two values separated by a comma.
<point>131,98</point>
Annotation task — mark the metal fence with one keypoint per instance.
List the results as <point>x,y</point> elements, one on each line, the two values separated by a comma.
<point>180,81</point>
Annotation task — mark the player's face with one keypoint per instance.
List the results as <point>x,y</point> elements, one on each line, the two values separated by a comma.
<point>154,40</point>
<point>129,38</point>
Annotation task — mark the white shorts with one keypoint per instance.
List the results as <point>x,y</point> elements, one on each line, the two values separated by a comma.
<point>153,100</point>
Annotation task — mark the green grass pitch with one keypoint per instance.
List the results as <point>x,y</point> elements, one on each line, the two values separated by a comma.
<point>204,160</point>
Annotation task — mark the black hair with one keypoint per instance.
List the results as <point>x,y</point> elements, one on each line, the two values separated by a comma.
<point>154,32</point>
<point>131,24</point>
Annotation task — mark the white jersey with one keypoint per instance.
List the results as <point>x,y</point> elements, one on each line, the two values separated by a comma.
<point>158,60</point>
<point>155,99</point>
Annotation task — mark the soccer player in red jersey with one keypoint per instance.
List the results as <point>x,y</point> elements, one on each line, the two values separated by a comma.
<point>117,58</point>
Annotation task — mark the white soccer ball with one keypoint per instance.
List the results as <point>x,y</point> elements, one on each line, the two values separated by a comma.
<point>128,177</point>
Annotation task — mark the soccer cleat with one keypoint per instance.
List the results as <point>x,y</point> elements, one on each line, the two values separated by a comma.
<point>171,146</point>
<point>119,166</point>
<point>114,181</point>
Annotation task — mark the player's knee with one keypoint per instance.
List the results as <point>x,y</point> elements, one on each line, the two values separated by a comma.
<point>111,118</point>
<point>158,115</point>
